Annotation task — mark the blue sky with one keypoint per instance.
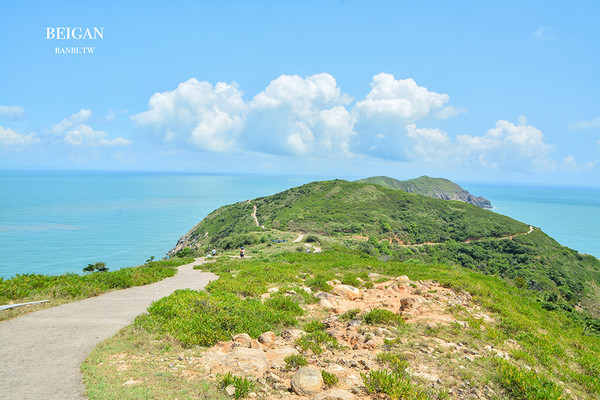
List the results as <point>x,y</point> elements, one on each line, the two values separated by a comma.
<point>467,90</point>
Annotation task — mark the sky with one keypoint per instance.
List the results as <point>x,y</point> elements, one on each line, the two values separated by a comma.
<point>481,91</point>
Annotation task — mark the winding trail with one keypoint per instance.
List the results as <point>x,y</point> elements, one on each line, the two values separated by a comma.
<point>40,353</point>
<point>255,218</point>
<point>509,237</point>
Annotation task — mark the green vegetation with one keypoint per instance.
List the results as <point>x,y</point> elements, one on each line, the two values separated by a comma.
<point>70,287</point>
<point>202,319</point>
<point>97,267</point>
<point>242,385</point>
<point>329,379</point>
<point>535,291</point>
<point>527,385</point>
<point>382,317</point>
<point>438,188</point>
<point>294,361</point>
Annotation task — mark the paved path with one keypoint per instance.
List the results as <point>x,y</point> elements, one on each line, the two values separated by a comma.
<point>40,353</point>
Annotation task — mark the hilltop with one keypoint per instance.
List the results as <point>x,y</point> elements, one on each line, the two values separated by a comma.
<point>395,225</point>
<point>438,188</point>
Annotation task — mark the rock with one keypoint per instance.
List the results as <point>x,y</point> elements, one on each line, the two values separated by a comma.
<point>240,360</point>
<point>326,304</point>
<point>347,291</point>
<point>373,275</point>
<point>307,381</point>
<point>277,356</point>
<point>403,279</point>
<point>244,340</point>
<point>292,334</point>
<point>335,394</point>
<point>273,290</point>
<point>230,390</point>
<point>267,339</point>
<point>407,303</point>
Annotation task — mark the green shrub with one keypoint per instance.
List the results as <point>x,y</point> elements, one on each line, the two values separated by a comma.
<point>201,319</point>
<point>349,315</point>
<point>382,317</point>
<point>285,304</point>
<point>527,385</point>
<point>316,341</point>
<point>319,283</point>
<point>394,384</point>
<point>242,385</point>
<point>294,361</point>
<point>314,326</point>
<point>329,379</point>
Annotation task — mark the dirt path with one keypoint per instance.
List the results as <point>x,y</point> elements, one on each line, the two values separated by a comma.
<point>531,228</point>
<point>40,353</point>
<point>255,218</point>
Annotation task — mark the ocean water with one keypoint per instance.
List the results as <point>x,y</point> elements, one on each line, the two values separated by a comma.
<point>570,215</point>
<point>57,222</point>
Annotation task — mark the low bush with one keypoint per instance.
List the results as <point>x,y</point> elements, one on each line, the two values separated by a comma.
<point>329,379</point>
<point>527,385</point>
<point>202,319</point>
<point>242,385</point>
<point>294,361</point>
<point>382,317</point>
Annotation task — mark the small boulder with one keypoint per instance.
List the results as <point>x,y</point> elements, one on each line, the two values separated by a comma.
<point>335,394</point>
<point>267,339</point>
<point>347,291</point>
<point>292,334</point>
<point>326,304</point>
<point>403,279</point>
<point>307,381</point>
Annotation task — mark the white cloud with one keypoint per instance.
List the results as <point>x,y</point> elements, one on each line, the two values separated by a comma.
<point>450,112</point>
<point>196,112</point>
<point>585,124</point>
<point>399,99</point>
<point>83,135</point>
<point>300,116</point>
<point>11,112</point>
<point>8,137</point>
<point>545,33</point>
<point>78,118</point>
<point>506,146</point>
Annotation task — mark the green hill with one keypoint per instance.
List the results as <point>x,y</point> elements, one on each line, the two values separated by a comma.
<point>438,188</point>
<point>395,225</point>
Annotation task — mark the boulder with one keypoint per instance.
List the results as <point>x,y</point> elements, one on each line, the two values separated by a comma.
<point>267,339</point>
<point>326,304</point>
<point>347,291</point>
<point>403,279</point>
<point>307,381</point>
<point>335,394</point>
<point>240,360</point>
<point>292,334</point>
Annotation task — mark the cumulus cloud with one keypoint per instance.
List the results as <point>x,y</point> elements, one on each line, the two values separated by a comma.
<point>83,135</point>
<point>78,118</point>
<point>11,112</point>
<point>301,116</point>
<point>293,115</point>
<point>208,117</point>
<point>507,145</point>
<point>311,116</point>
<point>399,99</point>
<point>8,137</point>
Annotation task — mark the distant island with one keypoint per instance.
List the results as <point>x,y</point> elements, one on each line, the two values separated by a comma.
<point>437,188</point>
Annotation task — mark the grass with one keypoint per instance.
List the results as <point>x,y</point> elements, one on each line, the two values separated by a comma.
<point>72,287</point>
<point>554,343</point>
<point>153,368</point>
<point>382,317</point>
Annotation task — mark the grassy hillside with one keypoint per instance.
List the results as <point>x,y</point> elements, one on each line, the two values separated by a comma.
<point>339,208</point>
<point>438,188</point>
<point>424,185</point>
<point>396,225</point>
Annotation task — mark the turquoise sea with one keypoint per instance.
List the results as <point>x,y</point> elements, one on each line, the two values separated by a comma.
<point>56,222</point>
